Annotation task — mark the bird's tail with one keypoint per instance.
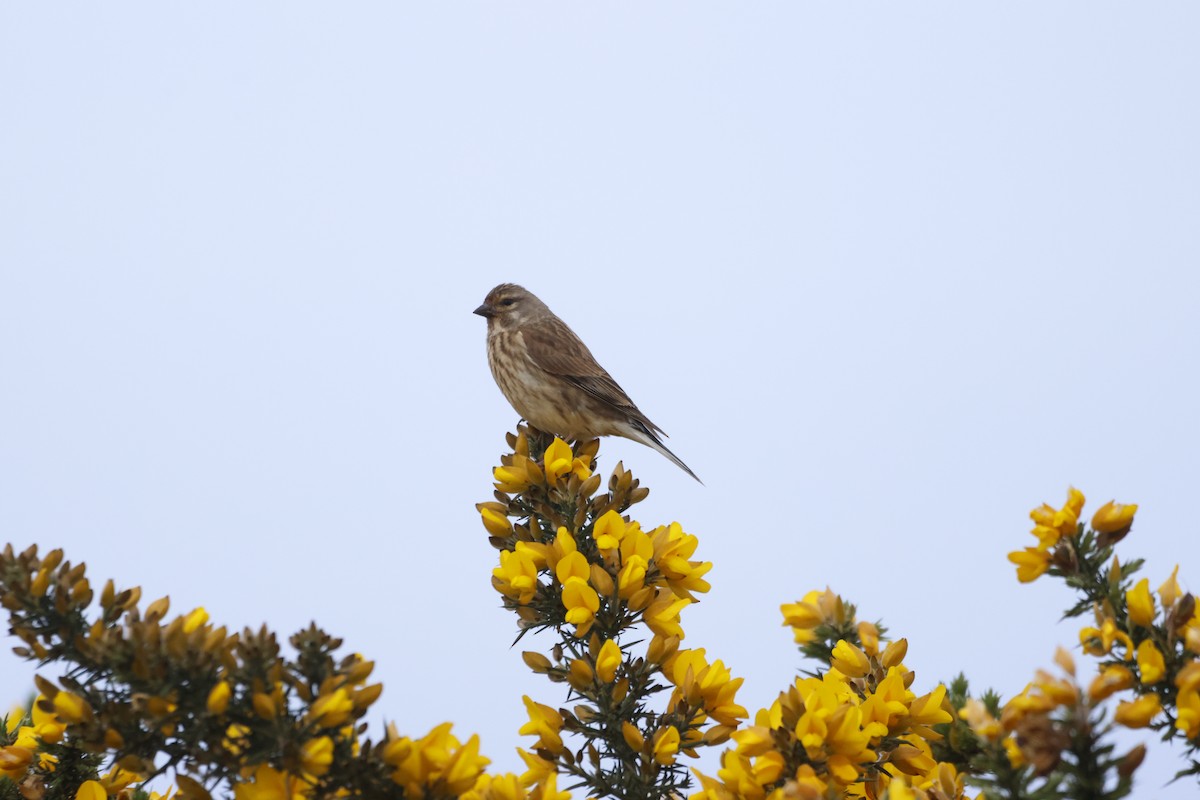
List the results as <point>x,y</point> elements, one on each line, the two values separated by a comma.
<point>649,438</point>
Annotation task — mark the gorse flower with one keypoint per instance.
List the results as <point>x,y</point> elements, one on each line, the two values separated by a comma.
<point>573,563</point>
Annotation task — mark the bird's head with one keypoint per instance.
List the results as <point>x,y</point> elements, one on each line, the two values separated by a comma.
<point>509,306</point>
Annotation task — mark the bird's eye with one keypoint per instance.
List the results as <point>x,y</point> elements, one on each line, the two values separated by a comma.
<point>508,301</point>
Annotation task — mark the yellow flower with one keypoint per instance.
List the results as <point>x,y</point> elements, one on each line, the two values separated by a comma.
<point>270,784</point>
<point>333,709</point>
<point>1150,662</point>
<point>14,760</point>
<point>91,790</point>
<point>1113,517</point>
<point>1138,713</point>
<point>316,755</point>
<point>572,565</point>
<point>662,615</point>
<point>518,475</point>
<point>1188,714</point>
<point>868,634</point>
<point>195,619</point>
<point>1031,563</point>
<point>71,708</point>
<point>1050,524</point>
<point>1071,509</point>
<point>580,674</point>
<point>264,705</point>
<point>801,615</point>
<point>710,685</point>
<point>46,726</point>
<point>1100,641</point>
<point>537,769</point>
<point>609,530</point>
<point>218,698</point>
<point>1013,751</point>
<point>672,549</point>
<point>581,603</point>
<point>850,660</point>
<point>912,760</point>
<point>846,736</point>
<point>894,653</point>
<point>1064,660</point>
<point>927,709</point>
<point>437,757</point>
<point>632,577</point>
<point>547,789</point>
<point>887,707</point>
<point>898,789</point>
<point>666,745</point>
<point>1188,678</point>
<point>1114,678</point>
<point>516,577</point>
<point>495,520</point>
<point>1141,603</point>
<point>607,661</point>
<point>117,780</point>
<point>980,720</point>
<point>754,740</point>
<point>560,461</point>
<point>545,723</point>
<point>1169,592</point>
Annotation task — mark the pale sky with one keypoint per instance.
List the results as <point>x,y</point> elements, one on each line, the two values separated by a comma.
<point>889,275</point>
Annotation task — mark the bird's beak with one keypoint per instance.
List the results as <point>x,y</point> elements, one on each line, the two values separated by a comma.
<point>485,311</point>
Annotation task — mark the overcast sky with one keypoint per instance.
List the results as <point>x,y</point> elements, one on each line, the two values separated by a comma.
<point>889,275</point>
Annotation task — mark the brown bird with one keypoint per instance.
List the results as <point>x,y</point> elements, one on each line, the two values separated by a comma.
<point>550,377</point>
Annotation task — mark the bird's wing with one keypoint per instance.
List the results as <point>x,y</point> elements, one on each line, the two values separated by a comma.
<point>554,347</point>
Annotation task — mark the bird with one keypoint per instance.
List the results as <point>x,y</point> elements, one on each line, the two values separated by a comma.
<point>552,380</point>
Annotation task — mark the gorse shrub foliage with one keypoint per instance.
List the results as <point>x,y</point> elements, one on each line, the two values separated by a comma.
<point>143,699</point>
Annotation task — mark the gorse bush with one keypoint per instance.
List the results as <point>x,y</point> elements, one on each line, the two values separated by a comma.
<point>181,703</point>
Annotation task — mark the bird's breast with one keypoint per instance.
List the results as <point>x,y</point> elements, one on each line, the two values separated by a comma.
<point>548,402</point>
